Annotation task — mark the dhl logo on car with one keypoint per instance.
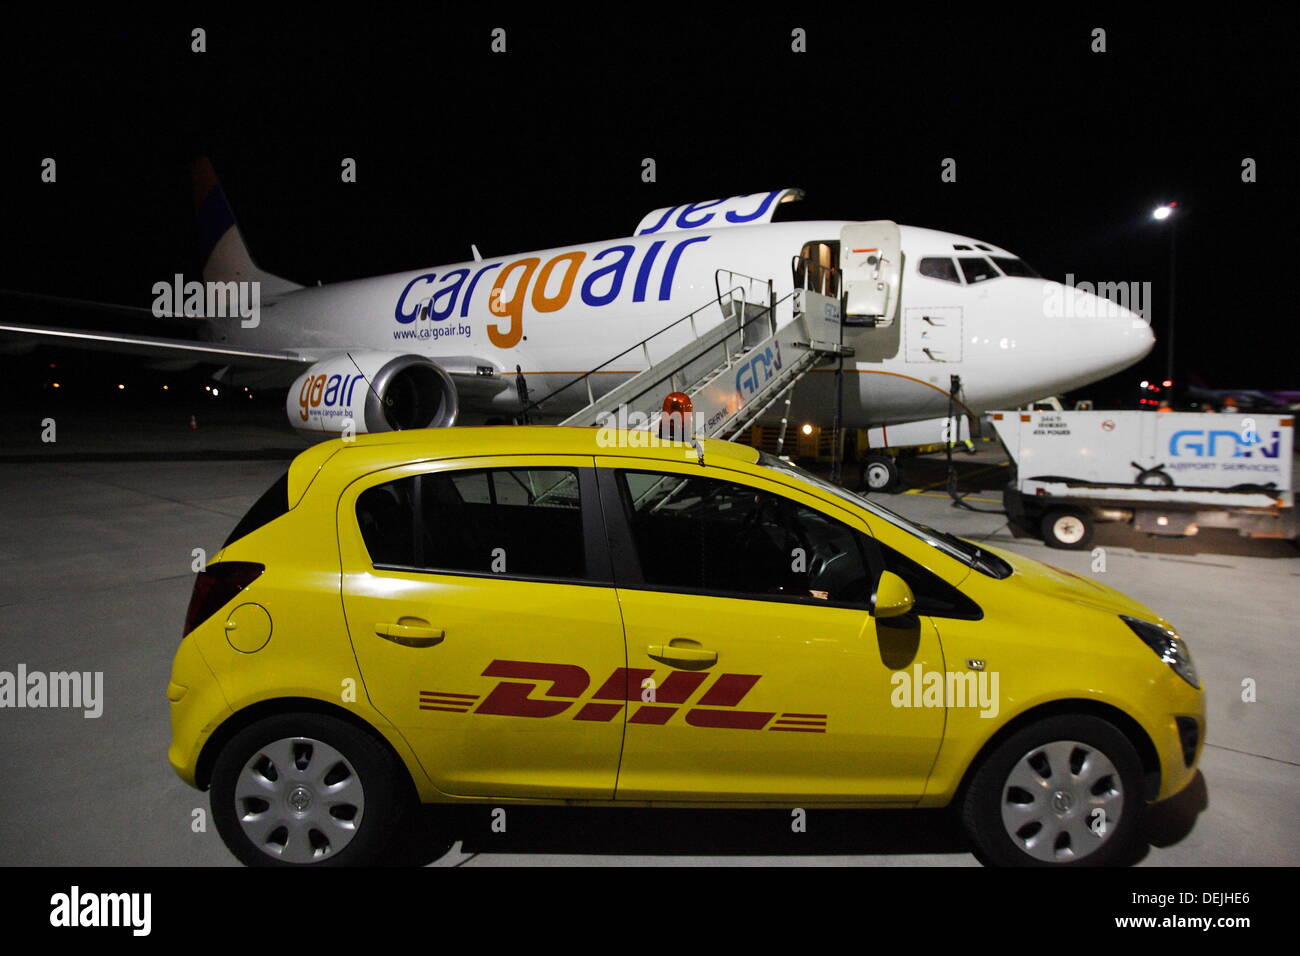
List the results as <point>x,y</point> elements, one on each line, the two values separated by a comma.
<point>513,697</point>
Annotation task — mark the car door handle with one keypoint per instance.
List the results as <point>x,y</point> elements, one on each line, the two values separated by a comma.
<point>410,635</point>
<point>667,654</point>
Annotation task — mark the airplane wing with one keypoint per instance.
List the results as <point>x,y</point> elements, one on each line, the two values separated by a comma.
<point>136,312</point>
<point>155,346</point>
<point>473,376</point>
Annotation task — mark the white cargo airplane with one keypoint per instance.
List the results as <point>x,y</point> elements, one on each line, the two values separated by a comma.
<point>448,345</point>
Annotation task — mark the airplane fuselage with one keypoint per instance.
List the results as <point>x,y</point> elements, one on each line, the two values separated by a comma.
<point>558,313</point>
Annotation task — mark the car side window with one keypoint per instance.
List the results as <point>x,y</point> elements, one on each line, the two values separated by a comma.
<point>705,534</point>
<point>504,521</point>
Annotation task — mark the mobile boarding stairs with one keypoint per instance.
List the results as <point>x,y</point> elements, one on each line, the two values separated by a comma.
<point>734,371</point>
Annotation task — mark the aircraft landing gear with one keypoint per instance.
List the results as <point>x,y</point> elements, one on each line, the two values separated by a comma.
<point>879,473</point>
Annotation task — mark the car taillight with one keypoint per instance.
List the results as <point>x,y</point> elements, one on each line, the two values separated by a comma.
<point>215,586</point>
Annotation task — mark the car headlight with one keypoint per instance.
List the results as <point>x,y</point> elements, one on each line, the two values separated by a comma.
<point>1169,647</point>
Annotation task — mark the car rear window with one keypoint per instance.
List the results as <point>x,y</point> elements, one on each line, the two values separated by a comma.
<point>516,522</point>
<point>273,503</point>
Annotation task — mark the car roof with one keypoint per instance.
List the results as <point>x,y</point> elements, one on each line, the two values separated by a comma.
<point>366,453</point>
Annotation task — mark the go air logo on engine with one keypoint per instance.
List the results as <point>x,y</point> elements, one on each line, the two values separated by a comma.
<point>327,396</point>
<point>626,272</point>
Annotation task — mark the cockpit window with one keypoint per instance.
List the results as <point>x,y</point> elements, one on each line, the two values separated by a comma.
<point>1016,267</point>
<point>977,269</point>
<point>939,268</point>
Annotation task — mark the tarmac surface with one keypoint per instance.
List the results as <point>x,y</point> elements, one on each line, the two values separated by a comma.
<point>95,576</point>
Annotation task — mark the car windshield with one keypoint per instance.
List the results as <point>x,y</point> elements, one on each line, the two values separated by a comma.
<point>964,551</point>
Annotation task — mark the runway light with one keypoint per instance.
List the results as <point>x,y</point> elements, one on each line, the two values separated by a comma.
<point>216,392</point>
<point>1168,384</point>
<point>806,429</point>
<point>165,387</point>
<point>121,386</point>
<point>56,385</point>
<point>1145,384</point>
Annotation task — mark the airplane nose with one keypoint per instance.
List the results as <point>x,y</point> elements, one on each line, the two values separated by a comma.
<point>1123,337</point>
<point>1135,335</point>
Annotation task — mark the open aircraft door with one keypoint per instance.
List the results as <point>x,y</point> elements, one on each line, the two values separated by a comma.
<point>871,259</point>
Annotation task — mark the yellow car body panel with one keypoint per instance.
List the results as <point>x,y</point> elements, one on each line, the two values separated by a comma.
<point>573,629</point>
<point>825,674</point>
<point>820,725</point>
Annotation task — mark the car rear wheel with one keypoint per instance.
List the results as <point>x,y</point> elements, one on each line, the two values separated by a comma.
<point>307,790</point>
<point>1063,792</point>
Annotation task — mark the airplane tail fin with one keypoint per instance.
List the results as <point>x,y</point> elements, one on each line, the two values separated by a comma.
<point>222,251</point>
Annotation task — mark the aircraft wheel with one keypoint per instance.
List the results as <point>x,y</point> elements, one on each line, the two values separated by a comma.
<point>879,473</point>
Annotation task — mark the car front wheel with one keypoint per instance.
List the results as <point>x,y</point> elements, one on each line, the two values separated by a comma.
<point>1062,792</point>
<point>306,790</point>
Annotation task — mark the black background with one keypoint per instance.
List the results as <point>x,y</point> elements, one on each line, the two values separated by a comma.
<point>1061,153</point>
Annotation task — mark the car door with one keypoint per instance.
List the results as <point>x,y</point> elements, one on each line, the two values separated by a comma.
<point>481,608</point>
<point>755,669</point>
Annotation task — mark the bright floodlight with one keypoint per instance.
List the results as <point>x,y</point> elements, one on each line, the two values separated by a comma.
<point>1163,212</point>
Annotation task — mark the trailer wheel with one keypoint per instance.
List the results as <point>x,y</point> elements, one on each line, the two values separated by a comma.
<point>879,473</point>
<point>1069,529</point>
<point>1155,477</point>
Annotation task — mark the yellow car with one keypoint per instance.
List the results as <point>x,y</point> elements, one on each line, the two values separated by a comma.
<point>564,615</point>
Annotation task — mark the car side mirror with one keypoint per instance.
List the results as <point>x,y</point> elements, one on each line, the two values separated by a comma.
<point>893,597</point>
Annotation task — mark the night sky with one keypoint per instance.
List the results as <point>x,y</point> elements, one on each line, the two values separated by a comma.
<point>1061,153</point>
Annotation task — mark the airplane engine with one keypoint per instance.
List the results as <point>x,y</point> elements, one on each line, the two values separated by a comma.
<point>372,392</point>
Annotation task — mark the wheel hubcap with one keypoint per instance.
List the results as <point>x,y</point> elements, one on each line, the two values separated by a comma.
<point>877,476</point>
<point>1069,529</point>
<point>299,800</point>
<point>1062,801</point>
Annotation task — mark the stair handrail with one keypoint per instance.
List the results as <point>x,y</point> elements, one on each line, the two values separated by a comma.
<point>644,343</point>
<point>670,373</point>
